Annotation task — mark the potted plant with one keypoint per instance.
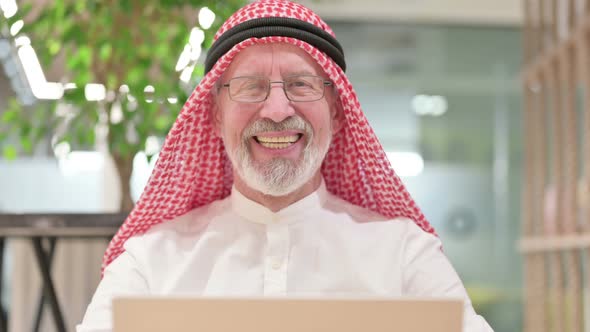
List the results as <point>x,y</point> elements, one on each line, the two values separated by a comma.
<point>125,66</point>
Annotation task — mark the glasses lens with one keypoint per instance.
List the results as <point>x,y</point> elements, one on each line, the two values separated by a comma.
<point>304,88</point>
<point>248,89</point>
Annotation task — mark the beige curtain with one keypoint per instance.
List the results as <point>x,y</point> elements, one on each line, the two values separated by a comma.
<point>76,272</point>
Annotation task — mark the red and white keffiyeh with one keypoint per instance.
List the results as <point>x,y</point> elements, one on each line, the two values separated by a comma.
<point>193,169</point>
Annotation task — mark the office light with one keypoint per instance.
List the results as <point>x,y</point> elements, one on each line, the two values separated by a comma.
<point>406,164</point>
<point>70,86</point>
<point>196,38</point>
<point>206,18</point>
<point>39,86</point>
<point>429,105</point>
<point>16,27</point>
<point>195,53</point>
<point>152,145</point>
<point>9,8</point>
<point>186,74</point>
<point>31,65</point>
<point>49,91</point>
<point>117,115</point>
<point>22,41</point>
<point>95,92</point>
<point>149,92</point>
<point>184,59</point>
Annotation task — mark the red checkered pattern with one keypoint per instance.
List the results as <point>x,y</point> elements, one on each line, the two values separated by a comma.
<point>193,168</point>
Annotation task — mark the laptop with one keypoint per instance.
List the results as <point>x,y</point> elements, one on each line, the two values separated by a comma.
<point>158,314</point>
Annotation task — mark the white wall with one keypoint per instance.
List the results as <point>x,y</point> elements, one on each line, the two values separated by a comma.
<point>476,12</point>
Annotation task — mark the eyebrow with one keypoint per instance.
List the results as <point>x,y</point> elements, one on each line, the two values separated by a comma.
<point>298,72</point>
<point>283,73</point>
<point>249,73</point>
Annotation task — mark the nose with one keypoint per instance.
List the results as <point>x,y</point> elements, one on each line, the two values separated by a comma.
<point>277,107</point>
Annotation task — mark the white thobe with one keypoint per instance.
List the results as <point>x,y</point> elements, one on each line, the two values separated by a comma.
<point>320,245</point>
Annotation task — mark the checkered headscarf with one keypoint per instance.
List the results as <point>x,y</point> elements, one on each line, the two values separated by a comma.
<point>193,169</point>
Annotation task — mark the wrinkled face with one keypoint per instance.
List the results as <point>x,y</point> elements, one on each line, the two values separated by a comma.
<point>277,145</point>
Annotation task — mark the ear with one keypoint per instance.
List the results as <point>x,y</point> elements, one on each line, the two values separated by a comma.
<point>337,115</point>
<point>215,115</point>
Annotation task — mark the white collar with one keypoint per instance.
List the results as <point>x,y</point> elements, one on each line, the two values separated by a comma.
<point>255,212</point>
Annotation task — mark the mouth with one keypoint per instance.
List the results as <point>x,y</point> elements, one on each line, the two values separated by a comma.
<point>278,142</point>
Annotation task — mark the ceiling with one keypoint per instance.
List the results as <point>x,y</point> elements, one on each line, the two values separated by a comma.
<point>472,12</point>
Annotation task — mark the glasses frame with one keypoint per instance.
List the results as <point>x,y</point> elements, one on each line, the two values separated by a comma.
<point>269,86</point>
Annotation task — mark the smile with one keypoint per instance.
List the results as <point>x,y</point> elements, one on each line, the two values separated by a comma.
<point>278,142</point>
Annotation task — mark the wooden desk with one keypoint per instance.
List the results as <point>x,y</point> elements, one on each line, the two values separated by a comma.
<point>51,227</point>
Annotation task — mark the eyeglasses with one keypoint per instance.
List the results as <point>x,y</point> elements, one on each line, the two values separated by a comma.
<point>255,89</point>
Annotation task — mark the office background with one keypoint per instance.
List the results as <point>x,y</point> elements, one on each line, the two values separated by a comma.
<point>440,84</point>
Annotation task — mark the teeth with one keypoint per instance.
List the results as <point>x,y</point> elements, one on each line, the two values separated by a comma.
<point>275,145</point>
<point>282,139</point>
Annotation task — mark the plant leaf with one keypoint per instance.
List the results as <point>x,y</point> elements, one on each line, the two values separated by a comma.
<point>9,152</point>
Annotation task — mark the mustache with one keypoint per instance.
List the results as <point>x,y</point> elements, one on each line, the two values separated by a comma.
<point>266,125</point>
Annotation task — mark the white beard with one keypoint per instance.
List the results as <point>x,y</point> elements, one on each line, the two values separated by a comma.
<point>279,176</point>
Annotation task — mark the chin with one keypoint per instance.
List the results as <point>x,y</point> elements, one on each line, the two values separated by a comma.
<point>278,176</point>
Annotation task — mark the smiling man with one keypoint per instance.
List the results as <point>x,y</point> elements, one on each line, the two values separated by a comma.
<point>276,116</point>
<point>271,182</point>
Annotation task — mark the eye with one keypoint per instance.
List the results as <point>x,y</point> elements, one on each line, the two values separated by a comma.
<point>298,83</point>
<point>253,85</point>
<point>248,85</point>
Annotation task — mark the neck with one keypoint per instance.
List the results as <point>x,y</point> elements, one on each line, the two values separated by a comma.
<point>277,203</point>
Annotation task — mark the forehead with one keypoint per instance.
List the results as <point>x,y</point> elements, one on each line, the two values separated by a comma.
<point>264,59</point>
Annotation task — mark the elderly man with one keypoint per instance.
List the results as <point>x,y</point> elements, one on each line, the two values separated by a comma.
<point>271,182</point>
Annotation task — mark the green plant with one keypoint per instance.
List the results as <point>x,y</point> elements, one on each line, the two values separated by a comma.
<point>125,45</point>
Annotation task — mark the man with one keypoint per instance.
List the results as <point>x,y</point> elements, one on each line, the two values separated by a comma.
<point>271,182</point>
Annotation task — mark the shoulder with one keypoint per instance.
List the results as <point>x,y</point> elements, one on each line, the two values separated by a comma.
<point>188,226</point>
<point>360,219</point>
<point>350,212</point>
